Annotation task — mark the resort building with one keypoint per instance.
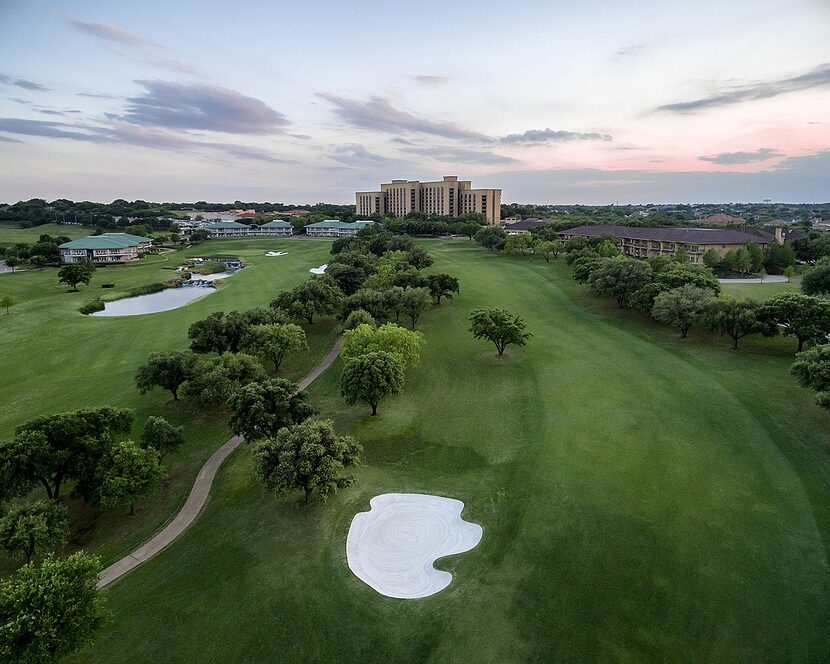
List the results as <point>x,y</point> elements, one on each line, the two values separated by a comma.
<point>525,226</point>
<point>227,229</point>
<point>276,227</point>
<point>449,197</point>
<point>335,228</point>
<point>105,248</point>
<point>645,242</point>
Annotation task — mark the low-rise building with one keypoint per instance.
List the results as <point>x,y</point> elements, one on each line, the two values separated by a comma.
<point>227,229</point>
<point>522,227</point>
<point>335,228</point>
<point>276,227</point>
<point>105,248</point>
<point>646,242</point>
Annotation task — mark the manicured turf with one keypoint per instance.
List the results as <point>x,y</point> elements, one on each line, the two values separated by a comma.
<point>643,498</point>
<point>764,291</point>
<point>11,233</point>
<point>56,359</point>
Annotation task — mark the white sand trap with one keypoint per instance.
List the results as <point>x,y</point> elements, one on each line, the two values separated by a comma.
<point>276,253</point>
<point>319,270</point>
<point>393,546</point>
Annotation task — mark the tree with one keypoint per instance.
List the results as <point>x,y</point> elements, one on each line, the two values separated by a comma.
<point>373,302</point>
<point>371,377</point>
<point>6,302</point>
<point>348,278</point>
<point>735,318</point>
<point>812,369</point>
<point>491,237</point>
<point>214,378</point>
<point>167,370</point>
<point>38,262</point>
<point>816,280</point>
<point>308,456</point>
<point>548,249</point>
<point>779,257</point>
<point>319,295</point>
<point>67,446</point>
<point>741,261</point>
<point>126,473</point>
<point>51,610</point>
<point>620,278</point>
<point>756,255</point>
<point>585,266</point>
<point>260,409</point>
<point>442,285</point>
<point>522,244</point>
<point>33,529</point>
<point>419,258</point>
<point>404,344</point>
<point>789,272</point>
<point>12,262</point>
<point>499,326</point>
<point>358,317</point>
<point>392,301</point>
<point>805,317</point>
<point>711,259</point>
<point>681,255</point>
<point>681,307</point>
<point>162,436</point>
<point>274,342</point>
<point>414,302</point>
<point>75,273</point>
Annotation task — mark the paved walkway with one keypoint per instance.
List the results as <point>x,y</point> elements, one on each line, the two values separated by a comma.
<point>198,494</point>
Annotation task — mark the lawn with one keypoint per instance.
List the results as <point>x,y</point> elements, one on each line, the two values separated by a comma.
<point>763,291</point>
<point>643,498</point>
<point>12,233</point>
<point>56,359</point>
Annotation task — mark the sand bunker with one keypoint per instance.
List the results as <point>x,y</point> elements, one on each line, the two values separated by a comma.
<point>275,253</point>
<point>319,270</point>
<point>393,546</point>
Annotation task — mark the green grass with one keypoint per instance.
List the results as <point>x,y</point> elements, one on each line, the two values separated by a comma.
<point>12,233</point>
<point>643,498</point>
<point>763,291</point>
<point>56,359</point>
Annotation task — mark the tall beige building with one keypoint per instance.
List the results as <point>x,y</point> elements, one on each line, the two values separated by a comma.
<point>450,197</point>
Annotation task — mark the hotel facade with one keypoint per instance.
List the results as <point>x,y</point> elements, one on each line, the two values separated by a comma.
<point>448,197</point>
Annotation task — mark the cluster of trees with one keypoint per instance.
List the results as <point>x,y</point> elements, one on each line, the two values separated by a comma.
<point>751,258</point>
<point>119,214</point>
<point>37,254</point>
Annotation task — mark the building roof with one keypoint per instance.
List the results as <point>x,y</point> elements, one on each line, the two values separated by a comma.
<point>526,225</point>
<point>277,223</point>
<point>721,218</point>
<point>684,235</point>
<point>105,241</point>
<point>226,225</point>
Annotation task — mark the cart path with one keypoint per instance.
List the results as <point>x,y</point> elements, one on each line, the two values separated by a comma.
<point>198,494</point>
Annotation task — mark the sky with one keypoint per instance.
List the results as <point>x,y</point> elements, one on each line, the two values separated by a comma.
<point>559,101</point>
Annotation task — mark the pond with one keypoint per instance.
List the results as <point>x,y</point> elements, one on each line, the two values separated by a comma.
<point>169,298</point>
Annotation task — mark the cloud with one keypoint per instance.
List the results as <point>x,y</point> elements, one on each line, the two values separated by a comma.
<point>23,83</point>
<point>111,33</point>
<point>815,78</point>
<point>431,81</point>
<point>202,107</point>
<point>6,139</point>
<point>734,158</point>
<point>354,154</point>
<point>173,65</point>
<point>379,115</point>
<point>551,136</point>
<point>96,96</point>
<point>45,128</point>
<point>628,51</point>
<point>450,154</point>
<point>402,141</point>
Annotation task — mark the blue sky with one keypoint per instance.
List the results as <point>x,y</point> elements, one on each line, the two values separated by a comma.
<point>569,102</point>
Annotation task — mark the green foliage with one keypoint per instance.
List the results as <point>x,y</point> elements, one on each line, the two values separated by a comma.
<point>274,342</point>
<point>371,377</point>
<point>681,307</point>
<point>168,370</point>
<point>358,317</point>
<point>95,304</point>
<point>316,296</point>
<point>620,278</point>
<point>348,278</point>
<point>522,244</point>
<point>370,301</point>
<point>12,262</point>
<point>6,302</point>
<point>442,285</point>
<point>404,344</point>
<point>260,409</point>
<point>816,280</point>
<point>548,249</point>
<point>392,302</point>
<point>33,529</point>
<point>681,256</point>
<point>74,274</point>
<point>805,317</point>
<point>414,302</point>
<point>735,318</point>
<point>711,259</point>
<point>755,254</point>
<point>214,378</point>
<point>162,436</point>
<point>814,246</point>
<point>419,258</point>
<point>584,267</point>
<point>308,456</point>
<point>491,237</point>
<point>499,326</point>
<point>779,257</point>
<point>51,610</point>
<point>125,473</point>
<point>220,332</point>
<point>812,369</point>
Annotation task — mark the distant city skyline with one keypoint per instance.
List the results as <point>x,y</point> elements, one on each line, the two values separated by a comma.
<point>553,102</point>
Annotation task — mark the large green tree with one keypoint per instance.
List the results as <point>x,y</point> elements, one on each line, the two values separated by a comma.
<point>309,456</point>
<point>316,296</point>
<point>734,318</point>
<point>33,529</point>
<point>816,280</point>
<point>805,317</point>
<point>161,436</point>
<point>167,369</point>
<point>75,273</point>
<point>50,610</point>
<point>491,237</point>
<point>371,378</point>
<point>681,307</point>
<point>812,369</point>
<point>414,302</point>
<point>274,342</point>
<point>499,326</point>
<point>620,278</point>
<point>215,378</point>
<point>404,344</point>
<point>67,446</point>
<point>442,285</point>
<point>127,472</point>
<point>260,409</point>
